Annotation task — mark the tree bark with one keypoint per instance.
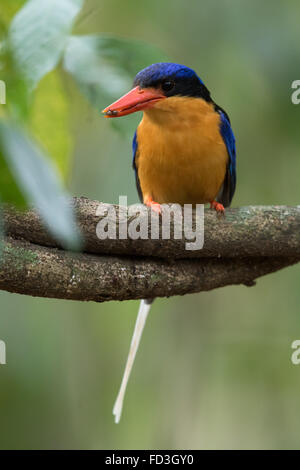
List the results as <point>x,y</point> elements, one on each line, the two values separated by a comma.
<point>244,231</point>
<point>246,244</point>
<point>49,272</point>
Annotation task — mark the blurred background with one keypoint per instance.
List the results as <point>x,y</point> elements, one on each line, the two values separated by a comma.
<point>213,369</point>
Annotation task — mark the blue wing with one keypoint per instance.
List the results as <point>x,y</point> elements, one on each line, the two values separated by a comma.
<point>134,165</point>
<point>230,178</point>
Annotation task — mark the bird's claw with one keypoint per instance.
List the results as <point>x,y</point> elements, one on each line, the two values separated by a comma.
<point>219,208</point>
<point>154,206</point>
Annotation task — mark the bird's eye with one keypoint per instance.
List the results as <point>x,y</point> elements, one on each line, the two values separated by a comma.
<point>168,85</point>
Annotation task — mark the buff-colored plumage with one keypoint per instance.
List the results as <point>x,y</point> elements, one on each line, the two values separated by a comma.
<point>181,154</point>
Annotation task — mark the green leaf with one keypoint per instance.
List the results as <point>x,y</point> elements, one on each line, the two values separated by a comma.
<point>9,190</point>
<point>45,112</point>
<point>38,35</point>
<point>9,9</point>
<point>104,66</point>
<point>39,183</point>
<point>17,92</point>
<point>49,121</point>
<point>1,234</point>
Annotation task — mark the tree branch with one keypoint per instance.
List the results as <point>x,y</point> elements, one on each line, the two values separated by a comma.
<point>49,272</point>
<point>249,243</point>
<point>245,231</point>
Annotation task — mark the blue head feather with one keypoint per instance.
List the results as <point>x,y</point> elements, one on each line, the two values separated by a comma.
<point>184,81</point>
<point>165,70</point>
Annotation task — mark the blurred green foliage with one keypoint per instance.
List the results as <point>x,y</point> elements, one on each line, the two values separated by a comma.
<point>33,43</point>
<point>49,121</point>
<point>30,48</point>
<point>214,369</point>
<point>103,67</point>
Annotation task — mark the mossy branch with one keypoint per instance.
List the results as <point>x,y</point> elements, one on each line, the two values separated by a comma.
<point>248,243</point>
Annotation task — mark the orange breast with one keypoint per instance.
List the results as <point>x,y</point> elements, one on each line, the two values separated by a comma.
<point>182,157</point>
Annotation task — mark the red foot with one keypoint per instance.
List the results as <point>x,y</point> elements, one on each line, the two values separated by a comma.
<point>155,206</point>
<point>219,208</point>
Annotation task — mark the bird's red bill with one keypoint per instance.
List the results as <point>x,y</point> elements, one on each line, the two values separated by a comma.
<point>136,99</point>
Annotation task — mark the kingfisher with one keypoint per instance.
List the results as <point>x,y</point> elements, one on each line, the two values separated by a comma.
<point>183,152</point>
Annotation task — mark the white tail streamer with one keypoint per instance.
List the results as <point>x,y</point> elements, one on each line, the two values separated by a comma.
<point>138,330</point>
